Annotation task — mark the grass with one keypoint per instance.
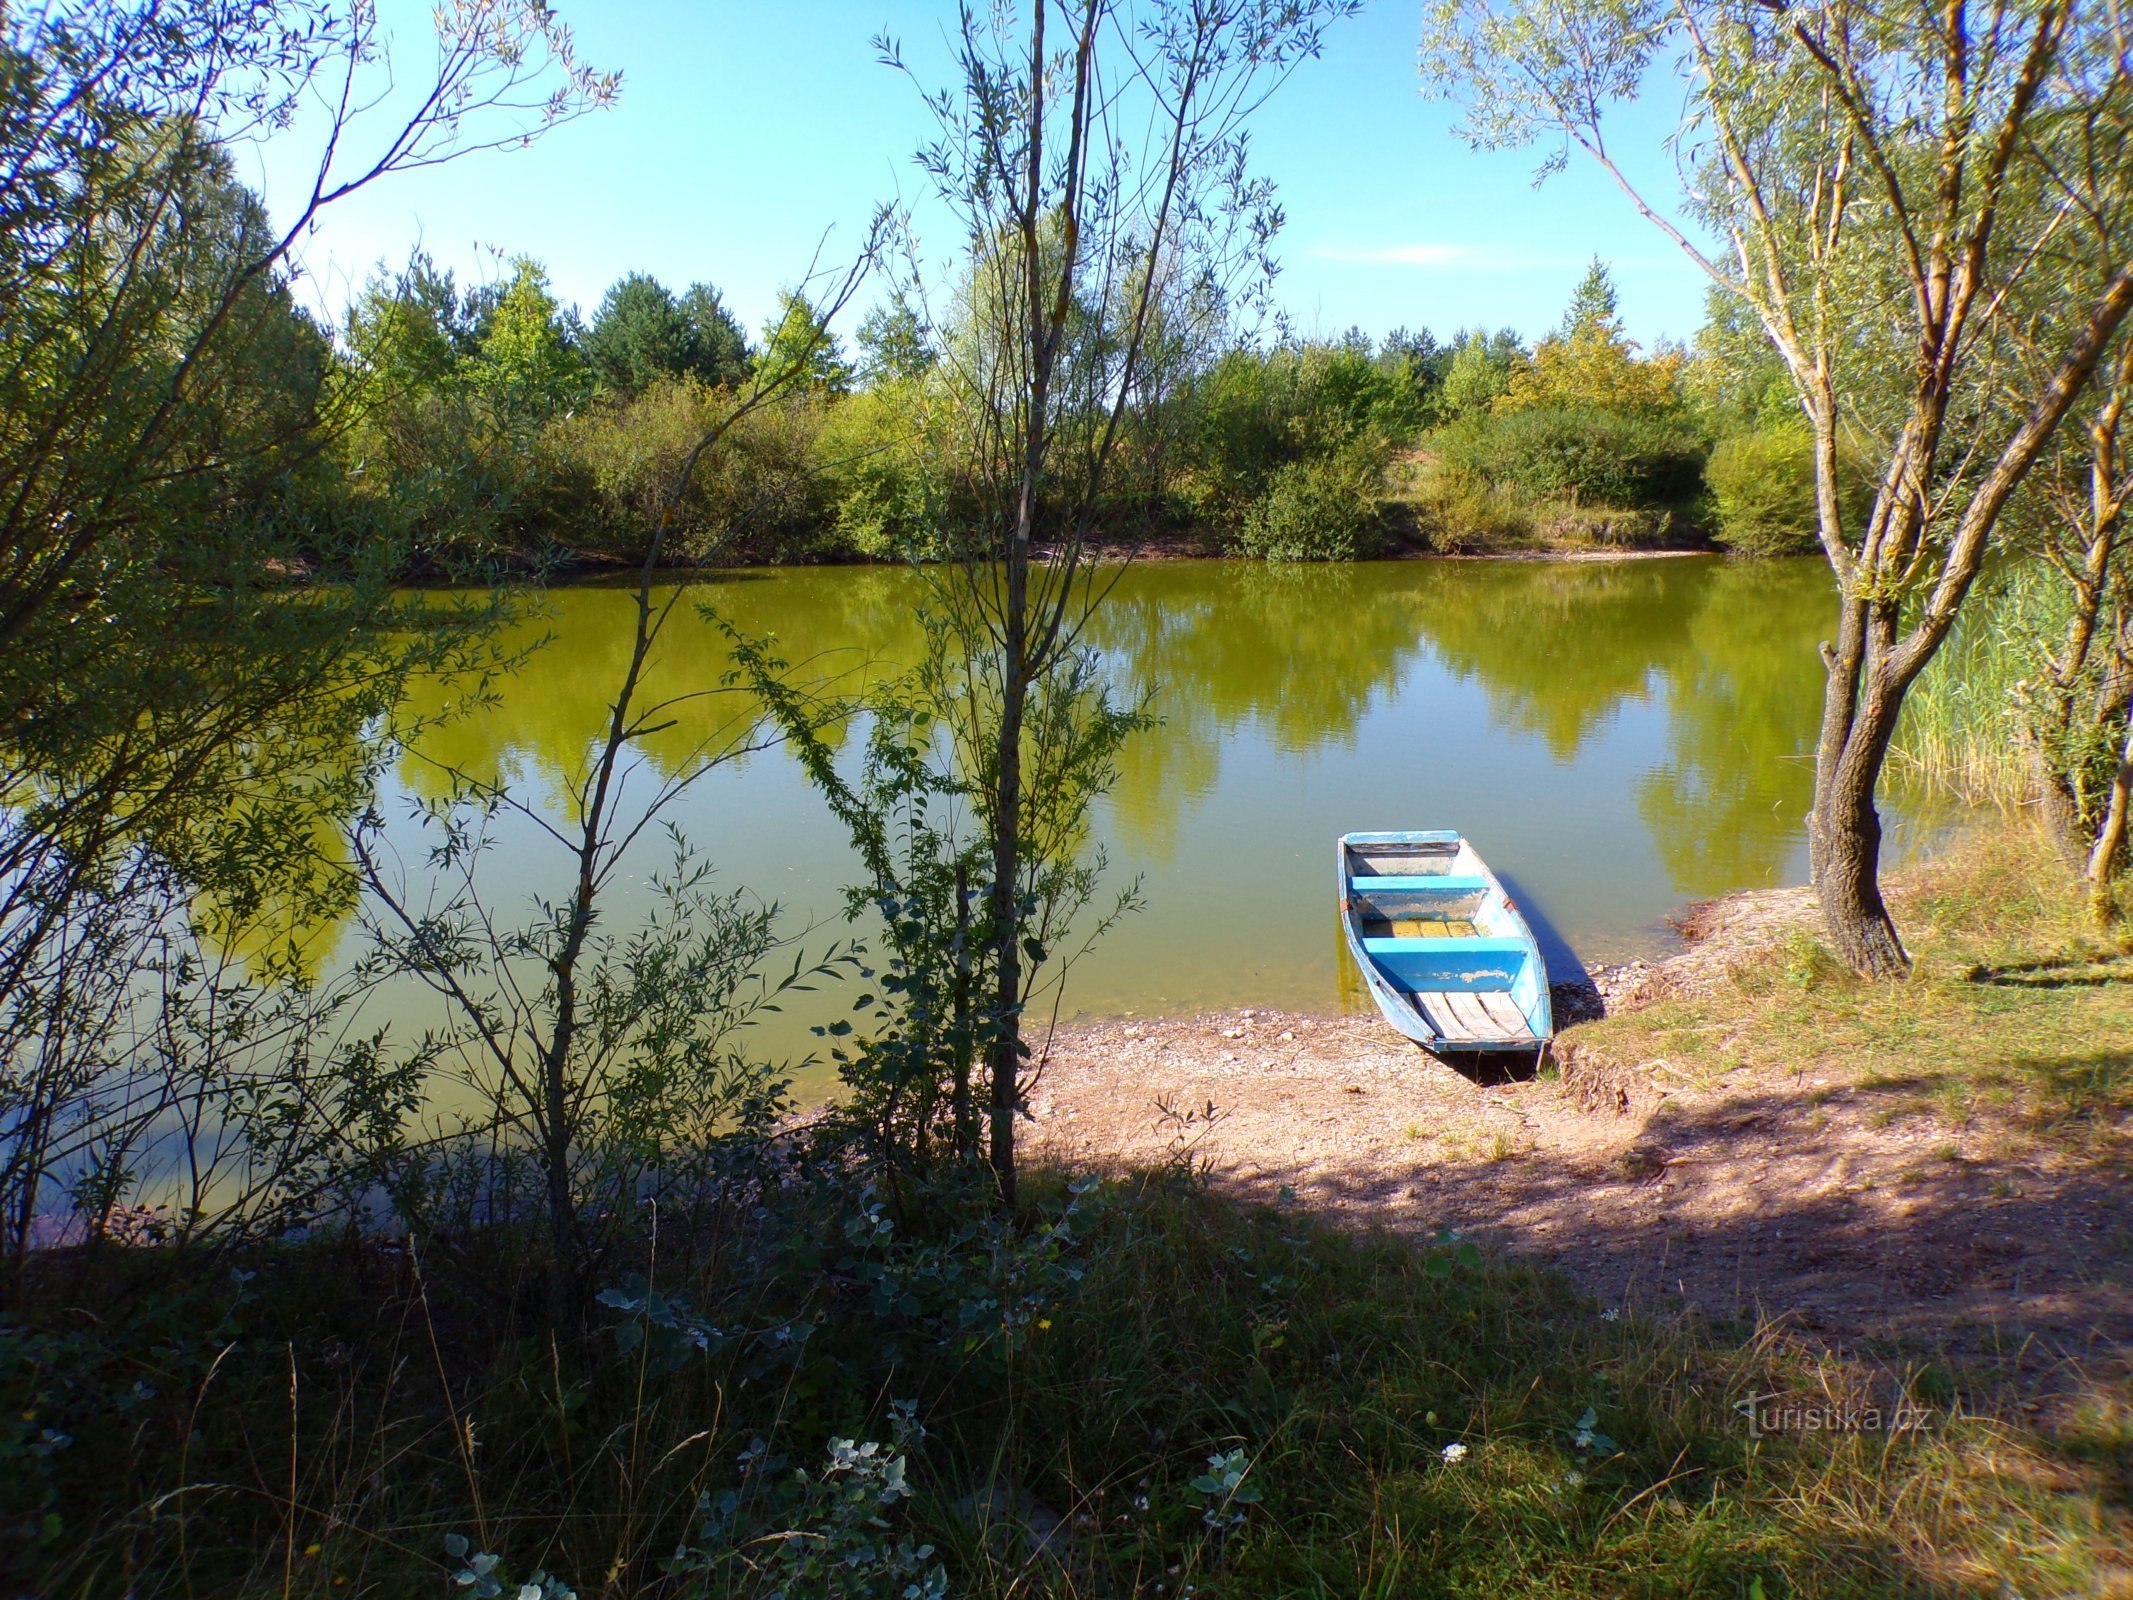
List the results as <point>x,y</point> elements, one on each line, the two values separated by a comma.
<point>1197,1397</point>
<point>1407,1423</point>
<point>2017,1012</point>
<point>1453,514</point>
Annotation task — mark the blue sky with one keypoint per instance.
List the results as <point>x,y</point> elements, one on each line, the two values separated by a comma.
<point>744,131</point>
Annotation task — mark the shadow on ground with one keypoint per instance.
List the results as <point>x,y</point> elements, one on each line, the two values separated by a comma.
<point>1848,1210</point>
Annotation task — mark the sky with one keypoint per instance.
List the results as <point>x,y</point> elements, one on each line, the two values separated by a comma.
<point>750,137</point>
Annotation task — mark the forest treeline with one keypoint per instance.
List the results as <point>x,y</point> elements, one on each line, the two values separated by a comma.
<point>522,429</point>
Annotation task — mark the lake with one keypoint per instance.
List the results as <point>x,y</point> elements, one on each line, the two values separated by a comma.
<point>1618,738</point>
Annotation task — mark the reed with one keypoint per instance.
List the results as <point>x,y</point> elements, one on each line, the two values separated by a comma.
<point>1961,727</point>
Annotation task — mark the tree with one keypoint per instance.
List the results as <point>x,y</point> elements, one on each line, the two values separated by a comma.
<point>892,344</point>
<point>1880,185</point>
<point>1594,307</point>
<point>1479,370</point>
<point>2074,702</point>
<point>172,729</point>
<point>800,351</point>
<point>526,360</point>
<point>404,327</point>
<point>640,333</point>
<point>718,349</point>
<point>643,332</point>
<point>1094,171</point>
<point>610,1065</point>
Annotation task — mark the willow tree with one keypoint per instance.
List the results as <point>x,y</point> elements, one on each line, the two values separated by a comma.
<point>163,719</point>
<point>1093,156</point>
<point>1875,184</point>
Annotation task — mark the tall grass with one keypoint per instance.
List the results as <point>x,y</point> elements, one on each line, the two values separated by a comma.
<point>1961,722</point>
<point>1235,1401</point>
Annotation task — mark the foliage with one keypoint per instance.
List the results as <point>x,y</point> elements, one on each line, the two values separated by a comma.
<point>1590,368</point>
<point>1763,489</point>
<point>879,461</point>
<point>1607,457</point>
<point>642,334</point>
<point>612,466</point>
<point>910,1058</point>
<point>1368,1419</point>
<point>1253,415</point>
<point>1322,510</point>
<point>798,341</point>
<point>893,345</point>
<point>1479,370</point>
<point>525,361</point>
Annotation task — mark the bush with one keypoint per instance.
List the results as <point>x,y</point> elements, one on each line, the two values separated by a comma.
<point>755,494</point>
<point>1763,489</point>
<point>1460,515</point>
<point>1254,413</point>
<point>1323,510</point>
<point>1617,458</point>
<point>873,450</point>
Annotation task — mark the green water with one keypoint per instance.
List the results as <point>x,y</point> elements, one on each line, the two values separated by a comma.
<point>1617,738</point>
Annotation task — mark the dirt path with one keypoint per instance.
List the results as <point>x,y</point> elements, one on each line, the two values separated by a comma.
<point>1817,1201</point>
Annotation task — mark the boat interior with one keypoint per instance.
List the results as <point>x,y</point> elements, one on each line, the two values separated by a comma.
<point>1436,928</point>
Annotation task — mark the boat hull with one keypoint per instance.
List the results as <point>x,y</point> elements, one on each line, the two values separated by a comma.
<point>1447,957</point>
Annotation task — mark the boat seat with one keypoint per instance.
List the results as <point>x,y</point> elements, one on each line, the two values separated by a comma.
<point>1410,881</point>
<point>1457,944</point>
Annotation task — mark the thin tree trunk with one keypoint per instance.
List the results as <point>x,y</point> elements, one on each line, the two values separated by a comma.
<point>2108,855</point>
<point>1007,869</point>
<point>966,1128</point>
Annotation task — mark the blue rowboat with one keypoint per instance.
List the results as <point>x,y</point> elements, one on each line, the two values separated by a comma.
<point>1446,955</point>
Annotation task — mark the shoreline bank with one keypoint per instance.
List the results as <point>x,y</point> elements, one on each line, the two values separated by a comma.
<point>1843,1198</point>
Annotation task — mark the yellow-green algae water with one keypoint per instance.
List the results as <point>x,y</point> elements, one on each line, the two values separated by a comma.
<point>1618,738</point>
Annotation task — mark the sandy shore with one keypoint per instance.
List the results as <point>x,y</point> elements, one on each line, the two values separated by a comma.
<point>1802,1199</point>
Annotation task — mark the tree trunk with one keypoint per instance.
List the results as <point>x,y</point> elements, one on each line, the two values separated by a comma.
<point>2108,856</point>
<point>1006,1046</point>
<point>1846,846</point>
<point>1844,829</point>
<point>966,1126</point>
<point>2058,808</point>
<point>563,1307</point>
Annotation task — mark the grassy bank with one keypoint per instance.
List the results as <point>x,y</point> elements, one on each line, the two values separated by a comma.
<point>2017,1020</point>
<point>1220,1401</point>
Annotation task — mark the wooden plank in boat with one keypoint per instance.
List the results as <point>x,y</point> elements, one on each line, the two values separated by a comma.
<point>1474,1019</point>
<point>1454,1020</point>
<point>1505,1010</point>
<point>1437,1012</point>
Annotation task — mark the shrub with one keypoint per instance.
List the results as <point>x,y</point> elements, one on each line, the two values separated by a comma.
<point>1763,489</point>
<point>1617,458</point>
<point>1322,510</point>
<point>757,493</point>
<point>885,496</point>
<point>1459,514</point>
<point>1254,413</point>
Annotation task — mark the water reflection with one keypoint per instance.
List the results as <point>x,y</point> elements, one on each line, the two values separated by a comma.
<point>1618,737</point>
